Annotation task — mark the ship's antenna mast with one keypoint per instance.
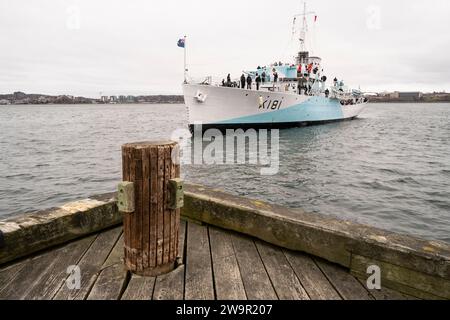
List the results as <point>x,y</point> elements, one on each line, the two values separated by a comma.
<point>304,28</point>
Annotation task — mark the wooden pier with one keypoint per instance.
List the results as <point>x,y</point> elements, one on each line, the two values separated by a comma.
<point>217,264</point>
<point>237,248</point>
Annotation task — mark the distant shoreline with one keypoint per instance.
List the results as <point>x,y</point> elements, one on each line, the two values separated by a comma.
<point>21,98</point>
<point>410,97</point>
<point>87,104</point>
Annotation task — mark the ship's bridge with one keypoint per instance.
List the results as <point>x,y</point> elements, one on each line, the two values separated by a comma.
<point>285,71</point>
<point>289,72</point>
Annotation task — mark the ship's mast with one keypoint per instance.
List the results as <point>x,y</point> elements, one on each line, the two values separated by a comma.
<point>304,28</point>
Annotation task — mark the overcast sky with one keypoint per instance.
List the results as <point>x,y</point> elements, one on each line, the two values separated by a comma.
<point>86,47</point>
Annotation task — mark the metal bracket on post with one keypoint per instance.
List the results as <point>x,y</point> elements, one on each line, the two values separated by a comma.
<point>176,191</point>
<point>125,197</point>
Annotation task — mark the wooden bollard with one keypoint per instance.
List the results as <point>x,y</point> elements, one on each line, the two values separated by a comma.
<point>151,214</point>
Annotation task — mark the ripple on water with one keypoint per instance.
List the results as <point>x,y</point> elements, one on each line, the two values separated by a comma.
<point>389,168</point>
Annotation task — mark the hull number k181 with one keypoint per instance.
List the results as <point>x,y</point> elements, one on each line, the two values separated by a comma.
<point>271,105</point>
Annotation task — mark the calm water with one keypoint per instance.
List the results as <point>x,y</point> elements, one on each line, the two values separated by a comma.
<point>390,169</point>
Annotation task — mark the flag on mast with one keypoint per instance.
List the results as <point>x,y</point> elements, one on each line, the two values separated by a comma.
<point>181,43</point>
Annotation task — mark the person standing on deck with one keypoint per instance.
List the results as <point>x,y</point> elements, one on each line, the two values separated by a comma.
<point>249,82</point>
<point>301,85</point>
<point>258,81</point>
<point>243,81</point>
<point>263,77</point>
<point>307,85</point>
<point>324,80</point>
<point>229,80</point>
<point>309,68</point>
<point>275,76</point>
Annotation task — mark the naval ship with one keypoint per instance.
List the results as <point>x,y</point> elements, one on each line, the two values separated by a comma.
<point>288,95</point>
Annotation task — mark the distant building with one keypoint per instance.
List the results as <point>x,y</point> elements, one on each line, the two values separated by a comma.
<point>19,95</point>
<point>122,99</point>
<point>130,99</point>
<point>409,96</point>
<point>105,99</point>
<point>113,99</point>
<point>394,95</point>
<point>438,94</point>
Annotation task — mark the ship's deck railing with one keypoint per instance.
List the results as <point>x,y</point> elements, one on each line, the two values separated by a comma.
<point>286,86</point>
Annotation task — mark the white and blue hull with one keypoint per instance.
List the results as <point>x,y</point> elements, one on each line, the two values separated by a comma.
<point>214,106</point>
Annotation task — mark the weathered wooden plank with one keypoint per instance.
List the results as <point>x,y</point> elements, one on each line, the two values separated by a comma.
<point>117,255</point>
<point>399,278</point>
<point>31,233</point>
<point>51,280</point>
<point>199,280</point>
<point>110,284</point>
<point>174,222</point>
<point>130,246</point>
<point>8,274</point>
<point>126,176</point>
<point>138,214</point>
<point>153,205</point>
<point>146,207</point>
<point>167,213</point>
<point>347,285</point>
<point>254,276</point>
<point>227,276</point>
<point>160,208</point>
<point>179,254</point>
<point>31,273</point>
<point>181,240</point>
<point>40,277</point>
<point>387,294</point>
<point>170,286</point>
<point>90,265</point>
<point>113,276</point>
<point>283,278</point>
<point>139,288</point>
<point>311,277</point>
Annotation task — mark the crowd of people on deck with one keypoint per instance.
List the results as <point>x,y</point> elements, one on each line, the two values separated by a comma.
<point>310,80</point>
<point>246,82</point>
